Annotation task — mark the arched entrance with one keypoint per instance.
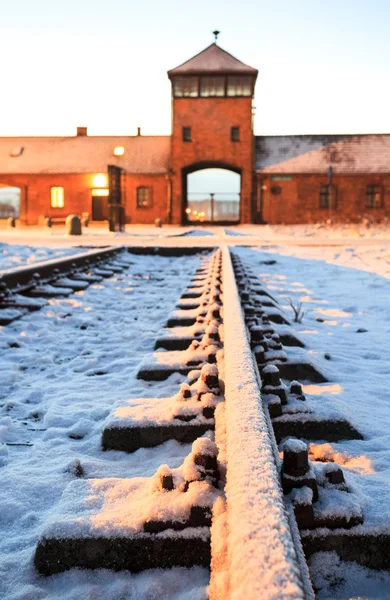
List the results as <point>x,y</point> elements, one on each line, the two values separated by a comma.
<point>212,194</point>
<point>10,198</point>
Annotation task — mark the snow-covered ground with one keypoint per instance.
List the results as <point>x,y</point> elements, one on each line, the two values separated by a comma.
<point>351,346</point>
<point>62,369</point>
<point>17,255</point>
<point>49,371</point>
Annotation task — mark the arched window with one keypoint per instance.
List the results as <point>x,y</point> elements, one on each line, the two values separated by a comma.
<point>144,197</point>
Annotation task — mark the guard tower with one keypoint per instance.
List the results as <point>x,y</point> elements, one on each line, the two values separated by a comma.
<point>212,124</point>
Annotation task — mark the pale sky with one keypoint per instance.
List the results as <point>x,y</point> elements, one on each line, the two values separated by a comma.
<point>323,66</point>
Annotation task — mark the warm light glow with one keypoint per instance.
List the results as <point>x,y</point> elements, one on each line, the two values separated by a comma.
<point>188,211</point>
<point>202,214</point>
<point>100,181</point>
<point>194,212</point>
<point>100,192</point>
<point>57,197</point>
<point>119,151</point>
<point>317,390</point>
<point>333,312</point>
<point>325,453</point>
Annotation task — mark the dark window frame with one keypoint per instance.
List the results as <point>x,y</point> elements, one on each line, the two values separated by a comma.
<point>187,134</point>
<point>144,196</point>
<point>324,197</point>
<point>374,193</point>
<point>235,133</point>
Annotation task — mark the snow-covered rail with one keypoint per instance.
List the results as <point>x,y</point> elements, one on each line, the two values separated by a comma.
<point>24,289</point>
<point>263,558</point>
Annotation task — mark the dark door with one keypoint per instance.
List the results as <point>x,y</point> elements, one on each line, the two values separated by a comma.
<point>99,208</point>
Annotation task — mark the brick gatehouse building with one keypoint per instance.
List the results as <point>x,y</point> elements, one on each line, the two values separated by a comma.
<point>283,179</point>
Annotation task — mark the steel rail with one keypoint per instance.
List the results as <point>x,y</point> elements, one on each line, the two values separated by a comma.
<point>264,554</point>
<point>21,276</point>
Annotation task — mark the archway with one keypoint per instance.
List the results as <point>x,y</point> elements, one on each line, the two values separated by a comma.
<point>10,197</point>
<point>212,194</point>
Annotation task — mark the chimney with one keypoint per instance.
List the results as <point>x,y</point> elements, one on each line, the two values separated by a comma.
<point>81,131</point>
<point>138,130</point>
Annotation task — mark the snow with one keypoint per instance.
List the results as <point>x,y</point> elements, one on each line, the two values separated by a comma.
<point>271,369</point>
<point>358,362</point>
<point>294,445</point>
<point>338,579</point>
<point>351,296</point>
<point>15,255</point>
<point>110,508</point>
<point>156,412</point>
<point>61,378</point>
<point>262,560</point>
<point>62,369</point>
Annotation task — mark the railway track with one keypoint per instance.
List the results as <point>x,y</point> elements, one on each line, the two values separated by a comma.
<point>249,501</point>
<point>26,289</point>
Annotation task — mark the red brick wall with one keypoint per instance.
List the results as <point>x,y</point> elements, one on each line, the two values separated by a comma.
<point>211,120</point>
<point>35,196</point>
<point>299,201</point>
<point>159,189</point>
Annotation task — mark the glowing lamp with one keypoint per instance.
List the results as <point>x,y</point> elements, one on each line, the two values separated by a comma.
<point>188,211</point>
<point>119,151</point>
<point>100,180</point>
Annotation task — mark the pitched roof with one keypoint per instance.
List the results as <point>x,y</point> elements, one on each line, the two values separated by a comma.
<point>213,59</point>
<point>84,154</point>
<point>353,154</point>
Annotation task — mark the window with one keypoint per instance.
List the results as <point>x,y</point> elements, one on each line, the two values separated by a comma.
<point>187,134</point>
<point>212,86</point>
<point>57,197</point>
<point>276,190</point>
<point>239,85</point>
<point>374,196</point>
<point>144,197</point>
<point>328,197</point>
<point>235,134</point>
<point>185,87</point>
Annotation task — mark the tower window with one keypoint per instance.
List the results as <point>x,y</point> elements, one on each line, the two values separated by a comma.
<point>374,196</point>
<point>239,85</point>
<point>144,197</point>
<point>187,134</point>
<point>212,86</point>
<point>235,134</point>
<point>57,197</point>
<point>328,196</point>
<point>184,87</point>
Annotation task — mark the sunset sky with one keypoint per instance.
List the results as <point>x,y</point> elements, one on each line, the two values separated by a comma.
<point>323,66</point>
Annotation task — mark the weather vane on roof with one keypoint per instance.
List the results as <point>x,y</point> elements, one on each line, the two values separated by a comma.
<point>216,34</point>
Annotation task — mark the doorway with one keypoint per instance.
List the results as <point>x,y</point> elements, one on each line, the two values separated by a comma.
<point>212,195</point>
<point>100,205</point>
